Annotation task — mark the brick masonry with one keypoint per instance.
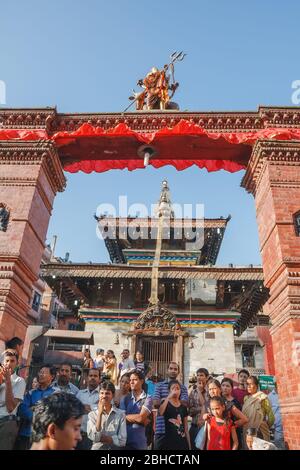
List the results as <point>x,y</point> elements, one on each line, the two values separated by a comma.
<point>273,177</point>
<point>30,176</point>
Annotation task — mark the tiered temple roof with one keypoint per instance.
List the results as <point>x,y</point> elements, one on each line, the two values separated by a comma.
<point>186,280</point>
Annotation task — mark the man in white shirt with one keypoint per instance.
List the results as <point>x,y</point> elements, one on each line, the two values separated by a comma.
<point>12,388</point>
<point>107,424</point>
<point>127,364</point>
<point>89,397</point>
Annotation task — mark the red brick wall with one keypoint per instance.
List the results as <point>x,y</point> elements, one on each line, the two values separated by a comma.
<point>30,176</point>
<point>263,333</point>
<point>276,177</point>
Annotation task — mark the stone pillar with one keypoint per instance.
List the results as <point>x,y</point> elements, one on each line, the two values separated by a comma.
<point>30,176</point>
<point>273,177</point>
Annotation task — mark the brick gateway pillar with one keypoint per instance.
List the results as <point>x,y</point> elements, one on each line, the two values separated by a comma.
<point>30,176</point>
<point>273,177</point>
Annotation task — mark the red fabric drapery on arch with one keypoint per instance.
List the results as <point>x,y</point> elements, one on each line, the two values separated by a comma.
<point>92,148</point>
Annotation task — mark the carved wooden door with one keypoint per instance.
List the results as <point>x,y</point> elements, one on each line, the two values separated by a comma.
<point>158,353</point>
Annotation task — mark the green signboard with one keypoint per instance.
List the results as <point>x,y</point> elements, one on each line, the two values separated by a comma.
<point>266,382</point>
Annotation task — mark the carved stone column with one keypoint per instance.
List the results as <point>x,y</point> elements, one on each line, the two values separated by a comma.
<point>30,176</point>
<point>273,177</point>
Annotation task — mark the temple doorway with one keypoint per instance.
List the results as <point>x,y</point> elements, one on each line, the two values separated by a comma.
<point>158,352</point>
<point>159,336</point>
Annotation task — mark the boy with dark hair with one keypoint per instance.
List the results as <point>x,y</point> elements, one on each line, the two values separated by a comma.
<point>17,344</point>
<point>240,392</point>
<point>198,401</point>
<point>56,422</point>
<point>14,343</point>
<point>12,388</point>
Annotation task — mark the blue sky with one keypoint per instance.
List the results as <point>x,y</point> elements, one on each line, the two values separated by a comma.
<point>87,56</point>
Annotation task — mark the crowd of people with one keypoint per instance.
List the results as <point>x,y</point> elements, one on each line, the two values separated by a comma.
<point>126,406</point>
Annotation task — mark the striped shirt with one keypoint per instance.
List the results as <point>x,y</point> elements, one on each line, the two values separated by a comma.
<point>140,366</point>
<point>161,392</point>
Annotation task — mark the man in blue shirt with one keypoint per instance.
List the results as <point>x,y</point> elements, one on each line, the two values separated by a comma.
<point>45,377</point>
<point>161,392</point>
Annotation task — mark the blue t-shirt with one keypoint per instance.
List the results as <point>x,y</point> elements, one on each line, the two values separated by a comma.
<point>150,387</point>
<point>136,433</point>
<point>25,410</point>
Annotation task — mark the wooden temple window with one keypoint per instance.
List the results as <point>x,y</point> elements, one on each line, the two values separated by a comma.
<point>36,301</point>
<point>248,355</point>
<point>297,223</point>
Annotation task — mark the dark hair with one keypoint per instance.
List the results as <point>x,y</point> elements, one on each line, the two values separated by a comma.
<point>111,351</point>
<point>244,371</point>
<point>127,375</point>
<point>214,381</point>
<point>98,351</point>
<point>13,342</point>
<point>203,371</point>
<point>174,362</point>
<point>11,353</point>
<point>228,380</point>
<point>139,353</point>
<point>126,349</point>
<point>141,376</point>
<point>95,368</point>
<point>222,402</point>
<point>52,370</point>
<point>138,373</point>
<point>57,408</point>
<point>254,379</point>
<point>65,364</point>
<point>107,385</point>
<point>174,382</point>
<point>218,400</point>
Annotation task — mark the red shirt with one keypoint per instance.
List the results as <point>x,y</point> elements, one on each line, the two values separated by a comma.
<point>239,394</point>
<point>220,434</point>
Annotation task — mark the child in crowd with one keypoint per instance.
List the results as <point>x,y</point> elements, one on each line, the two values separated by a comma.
<point>220,428</point>
<point>232,403</point>
<point>215,390</point>
<point>176,436</point>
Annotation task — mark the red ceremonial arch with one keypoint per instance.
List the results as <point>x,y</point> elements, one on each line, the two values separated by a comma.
<point>37,145</point>
<point>212,141</point>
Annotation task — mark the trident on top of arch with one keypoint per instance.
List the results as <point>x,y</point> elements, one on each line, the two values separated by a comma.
<point>159,86</point>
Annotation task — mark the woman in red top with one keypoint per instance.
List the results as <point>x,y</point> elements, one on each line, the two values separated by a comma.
<point>220,428</point>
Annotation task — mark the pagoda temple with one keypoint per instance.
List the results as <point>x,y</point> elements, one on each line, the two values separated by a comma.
<point>163,294</point>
